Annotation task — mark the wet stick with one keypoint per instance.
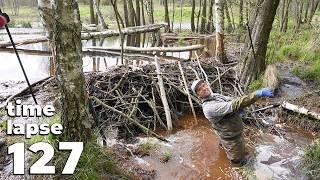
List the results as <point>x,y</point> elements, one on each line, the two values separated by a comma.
<point>163,94</point>
<point>143,128</point>
<point>188,92</point>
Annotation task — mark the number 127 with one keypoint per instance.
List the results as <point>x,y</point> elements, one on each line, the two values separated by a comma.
<point>40,167</point>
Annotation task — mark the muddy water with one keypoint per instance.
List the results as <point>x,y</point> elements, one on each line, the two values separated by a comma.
<point>196,154</point>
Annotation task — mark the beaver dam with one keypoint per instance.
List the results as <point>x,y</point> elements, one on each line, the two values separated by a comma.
<point>128,110</point>
<point>135,92</point>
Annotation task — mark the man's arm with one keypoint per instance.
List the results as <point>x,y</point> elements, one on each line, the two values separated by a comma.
<point>216,108</point>
<point>244,101</point>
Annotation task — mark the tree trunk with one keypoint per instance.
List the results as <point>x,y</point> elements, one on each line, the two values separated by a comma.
<point>75,115</point>
<point>166,15</point>
<point>126,16</point>
<point>210,27</point>
<point>149,9</point>
<point>198,17</point>
<point>92,18</point>
<point>220,54</point>
<point>138,15</point>
<point>193,28</point>
<point>143,14</point>
<point>241,25</point>
<point>285,17</point>
<point>116,12</point>
<point>47,16</point>
<point>100,16</point>
<point>132,16</point>
<point>313,8</point>
<point>173,12</point>
<point>305,18</point>
<point>203,17</point>
<point>229,25</point>
<point>298,14</point>
<point>262,21</point>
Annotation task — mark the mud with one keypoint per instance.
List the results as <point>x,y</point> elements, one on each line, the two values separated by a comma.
<point>196,154</point>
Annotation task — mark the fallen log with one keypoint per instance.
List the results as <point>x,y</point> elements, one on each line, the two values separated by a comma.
<point>92,35</point>
<point>165,37</point>
<point>149,49</point>
<point>125,31</point>
<point>38,39</point>
<point>300,110</point>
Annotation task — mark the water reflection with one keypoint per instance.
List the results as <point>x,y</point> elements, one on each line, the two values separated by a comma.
<point>40,66</point>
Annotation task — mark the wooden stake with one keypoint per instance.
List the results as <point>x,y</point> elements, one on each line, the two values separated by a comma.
<point>188,92</point>
<point>163,94</point>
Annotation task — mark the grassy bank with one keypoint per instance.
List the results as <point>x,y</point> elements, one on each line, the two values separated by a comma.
<point>311,160</point>
<point>302,46</point>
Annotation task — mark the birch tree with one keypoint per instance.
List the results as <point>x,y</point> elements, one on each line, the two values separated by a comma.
<point>99,14</point>
<point>220,54</point>
<point>75,115</point>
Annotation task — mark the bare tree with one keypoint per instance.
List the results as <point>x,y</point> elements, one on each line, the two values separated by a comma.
<point>193,28</point>
<point>241,25</point>
<point>229,23</point>
<point>66,34</point>
<point>220,54</point>
<point>210,26</point>
<point>313,8</point>
<point>100,16</point>
<point>92,17</point>
<point>284,15</point>
<point>297,15</point>
<point>166,15</point>
<point>126,15</point>
<point>254,63</point>
<point>203,17</point>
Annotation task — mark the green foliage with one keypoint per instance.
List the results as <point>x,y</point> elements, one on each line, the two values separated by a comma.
<point>146,146</point>
<point>308,73</point>
<point>166,155</point>
<point>186,14</point>
<point>312,160</point>
<point>256,84</point>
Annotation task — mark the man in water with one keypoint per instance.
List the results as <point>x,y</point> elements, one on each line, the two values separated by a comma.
<point>224,114</point>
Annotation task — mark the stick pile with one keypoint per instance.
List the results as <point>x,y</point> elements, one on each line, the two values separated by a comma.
<point>134,91</point>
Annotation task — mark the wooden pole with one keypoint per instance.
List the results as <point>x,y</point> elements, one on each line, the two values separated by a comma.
<point>163,94</point>
<point>188,92</point>
<point>149,49</point>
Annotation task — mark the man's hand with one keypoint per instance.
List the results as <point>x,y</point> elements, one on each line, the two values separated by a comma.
<point>264,92</point>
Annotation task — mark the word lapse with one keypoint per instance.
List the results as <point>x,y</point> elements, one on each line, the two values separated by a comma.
<point>33,129</point>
